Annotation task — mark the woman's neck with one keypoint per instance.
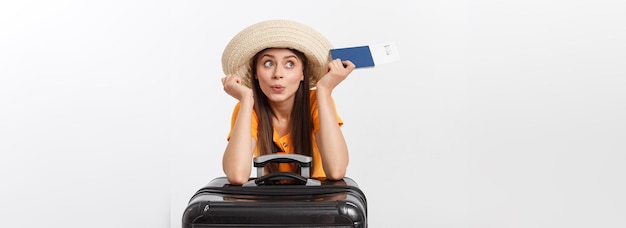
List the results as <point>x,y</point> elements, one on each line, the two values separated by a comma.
<point>281,117</point>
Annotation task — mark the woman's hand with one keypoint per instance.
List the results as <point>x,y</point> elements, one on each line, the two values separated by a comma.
<point>234,87</point>
<point>336,74</point>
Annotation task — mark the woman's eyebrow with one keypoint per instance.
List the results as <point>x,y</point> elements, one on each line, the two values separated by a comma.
<point>286,57</point>
<point>290,56</point>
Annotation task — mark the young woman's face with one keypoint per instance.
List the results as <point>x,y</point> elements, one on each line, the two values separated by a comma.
<point>279,72</point>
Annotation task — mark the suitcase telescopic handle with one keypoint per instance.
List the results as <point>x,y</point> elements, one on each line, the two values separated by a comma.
<point>303,160</point>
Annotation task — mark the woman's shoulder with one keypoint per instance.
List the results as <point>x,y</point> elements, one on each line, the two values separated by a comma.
<point>312,93</point>
<point>313,97</point>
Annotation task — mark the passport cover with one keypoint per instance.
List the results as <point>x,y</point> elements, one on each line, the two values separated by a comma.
<point>361,56</point>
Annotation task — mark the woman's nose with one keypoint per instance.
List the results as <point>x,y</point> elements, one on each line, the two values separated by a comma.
<point>278,73</point>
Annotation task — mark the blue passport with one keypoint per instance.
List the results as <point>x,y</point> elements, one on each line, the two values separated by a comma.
<point>361,56</point>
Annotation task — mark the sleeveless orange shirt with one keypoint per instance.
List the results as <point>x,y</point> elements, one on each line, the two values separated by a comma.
<point>283,141</point>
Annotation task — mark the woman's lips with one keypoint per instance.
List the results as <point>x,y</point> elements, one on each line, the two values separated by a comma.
<point>277,88</point>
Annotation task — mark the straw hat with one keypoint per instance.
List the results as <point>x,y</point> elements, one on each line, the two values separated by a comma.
<point>238,54</point>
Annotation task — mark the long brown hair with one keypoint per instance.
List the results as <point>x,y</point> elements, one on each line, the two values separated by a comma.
<point>301,123</point>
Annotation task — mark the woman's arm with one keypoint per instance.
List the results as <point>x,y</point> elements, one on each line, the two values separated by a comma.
<point>237,159</point>
<point>330,140</point>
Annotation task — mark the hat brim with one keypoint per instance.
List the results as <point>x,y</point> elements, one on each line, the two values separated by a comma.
<point>238,54</point>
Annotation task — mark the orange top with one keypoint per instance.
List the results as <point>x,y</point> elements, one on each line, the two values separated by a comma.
<point>283,141</point>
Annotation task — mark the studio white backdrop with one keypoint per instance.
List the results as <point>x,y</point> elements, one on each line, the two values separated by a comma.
<point>499,113</point>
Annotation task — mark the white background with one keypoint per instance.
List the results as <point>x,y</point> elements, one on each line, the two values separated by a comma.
<point>499,113</point>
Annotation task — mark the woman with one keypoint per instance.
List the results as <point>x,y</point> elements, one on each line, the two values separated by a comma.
<point>281,73</point>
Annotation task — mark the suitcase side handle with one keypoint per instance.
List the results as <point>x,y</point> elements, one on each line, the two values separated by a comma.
<point>303,160</point>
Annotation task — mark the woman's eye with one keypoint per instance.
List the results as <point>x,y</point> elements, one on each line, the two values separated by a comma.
<point>290,65</point>
<point>268,63</point>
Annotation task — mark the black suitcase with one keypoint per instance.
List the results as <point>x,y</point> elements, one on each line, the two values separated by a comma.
<point>278,200</point>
